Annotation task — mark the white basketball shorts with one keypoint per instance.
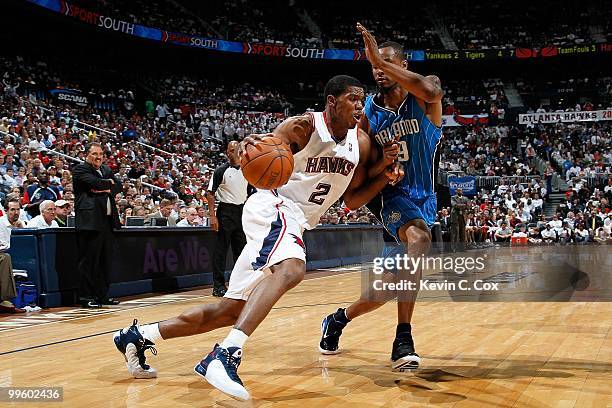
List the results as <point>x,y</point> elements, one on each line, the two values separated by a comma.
<point>273,234</point>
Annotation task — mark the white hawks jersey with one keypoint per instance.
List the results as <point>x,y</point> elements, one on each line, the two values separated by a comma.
<point>322,171</point>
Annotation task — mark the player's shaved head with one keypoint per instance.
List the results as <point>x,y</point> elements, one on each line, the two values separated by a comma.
<point>397,48</point>
<point>339,85</point>
<point>232,152</point>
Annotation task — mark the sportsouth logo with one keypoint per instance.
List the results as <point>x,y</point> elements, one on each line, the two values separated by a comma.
<point>394,217</point>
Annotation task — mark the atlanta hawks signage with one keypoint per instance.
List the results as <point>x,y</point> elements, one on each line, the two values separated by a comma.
<point>554,117</point>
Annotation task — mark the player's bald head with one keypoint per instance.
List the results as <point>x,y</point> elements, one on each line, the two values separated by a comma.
<point>232,152</point>
<point>231,146</point>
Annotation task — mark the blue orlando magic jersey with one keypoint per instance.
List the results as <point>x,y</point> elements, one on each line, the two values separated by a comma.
<point>418,139</point>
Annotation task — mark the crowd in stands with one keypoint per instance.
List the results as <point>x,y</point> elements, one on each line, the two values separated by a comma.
<point>515,211</point>
<point>408,25</point>
<point>580,153</point>
<point>487,150</point>
<point>568,94</point>
<point>183,90</point>
<point>170,150</point>
<point>473,97</point>
<point>164,156</point>
<point>520,24</point>
<point>575,150</point>
<point>474,26</point>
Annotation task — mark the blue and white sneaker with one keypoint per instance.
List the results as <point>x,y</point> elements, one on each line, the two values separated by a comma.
<point>331,329</point>
<point>220,367</point>
<point>132,345</point>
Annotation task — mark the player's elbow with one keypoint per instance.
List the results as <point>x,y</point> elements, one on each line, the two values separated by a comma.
<point>434,94</point>
<point>433,89</point>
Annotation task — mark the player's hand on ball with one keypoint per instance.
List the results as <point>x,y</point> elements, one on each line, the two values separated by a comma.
<point>251,139</point>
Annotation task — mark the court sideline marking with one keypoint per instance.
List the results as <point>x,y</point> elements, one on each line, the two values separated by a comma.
<point>65,315</point>
<point>122,310</point>
<point>115,330</point>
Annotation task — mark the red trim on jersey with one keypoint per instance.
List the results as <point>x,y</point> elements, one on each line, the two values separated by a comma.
<point>280,237</point>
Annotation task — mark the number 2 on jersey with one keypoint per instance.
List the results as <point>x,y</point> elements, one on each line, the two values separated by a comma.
<point>317,196</point>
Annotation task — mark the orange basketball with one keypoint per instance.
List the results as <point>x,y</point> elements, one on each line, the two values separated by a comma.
<point>268,164</point>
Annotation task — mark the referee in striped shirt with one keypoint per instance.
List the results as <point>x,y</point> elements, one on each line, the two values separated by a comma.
<point>231,189</point>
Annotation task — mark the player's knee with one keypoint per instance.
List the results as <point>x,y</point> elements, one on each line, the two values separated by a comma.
<point>291,272</point>
<point>192,317</point>
<point>416,236</point>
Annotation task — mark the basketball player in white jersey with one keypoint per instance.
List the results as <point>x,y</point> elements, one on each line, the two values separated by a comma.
<point>331,157</point>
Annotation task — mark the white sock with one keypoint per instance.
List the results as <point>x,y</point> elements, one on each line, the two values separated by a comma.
<point>151,332</point>
<point>235,338</point>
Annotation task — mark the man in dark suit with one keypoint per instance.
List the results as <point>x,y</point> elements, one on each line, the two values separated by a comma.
<point>96,216</point>
<point>459,205</point>
<point>445,224</point>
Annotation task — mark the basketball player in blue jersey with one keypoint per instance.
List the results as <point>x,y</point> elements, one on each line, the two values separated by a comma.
<point>405,113</point>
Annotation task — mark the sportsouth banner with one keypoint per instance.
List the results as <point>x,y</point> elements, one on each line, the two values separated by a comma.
<point>554,117</point>
<point>285,51</point>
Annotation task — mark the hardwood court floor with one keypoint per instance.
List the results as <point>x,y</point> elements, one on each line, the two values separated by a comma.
<point>501,354</point>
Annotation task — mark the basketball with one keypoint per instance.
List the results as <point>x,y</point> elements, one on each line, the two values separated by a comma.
<point>268,164</point>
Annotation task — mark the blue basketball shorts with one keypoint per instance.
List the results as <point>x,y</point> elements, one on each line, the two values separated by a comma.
<point>399,208</point>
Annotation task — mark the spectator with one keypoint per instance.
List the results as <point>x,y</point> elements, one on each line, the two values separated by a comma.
<point>520,233</point>
<point>534,235</point>
<point>504,233</point>
<point>581,234</point>
<point>7,281</point>
<point>165,212</point>
<point>201,219</point>
<point>549,235</point>
<point>38,192</point>
<point>62,211</point>
<point>190,218</point>
<point>556,223</point>
<point>12,217</point>
<point>46,218</point>
<point>565,236</point>
<point>602,236</point>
